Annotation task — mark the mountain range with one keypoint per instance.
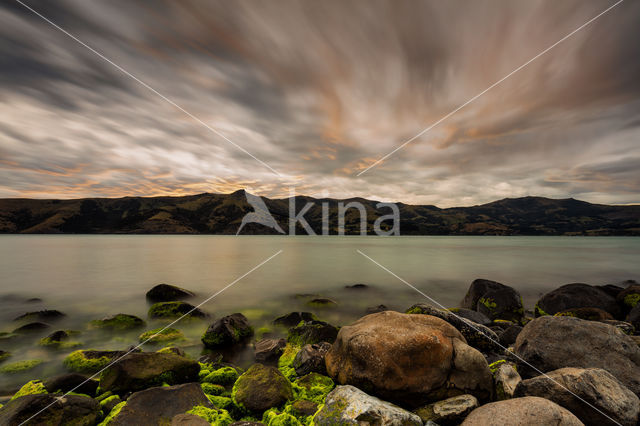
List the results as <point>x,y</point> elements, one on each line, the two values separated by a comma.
<point>222,214</point>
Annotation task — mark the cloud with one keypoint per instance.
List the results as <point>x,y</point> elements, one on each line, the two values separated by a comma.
<point>320,90</point>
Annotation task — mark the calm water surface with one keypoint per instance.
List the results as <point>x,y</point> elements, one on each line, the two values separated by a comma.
<point>89,277</point>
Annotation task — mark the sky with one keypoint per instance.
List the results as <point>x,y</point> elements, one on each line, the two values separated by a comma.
<point>318,92</point>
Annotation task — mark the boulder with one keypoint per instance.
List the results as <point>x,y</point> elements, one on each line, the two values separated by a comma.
<point>227,331</point>
<point>71,382</point>
<point>90,361</point>
<point>304,408</point>
<point>505,379</point>
<point>509,335</point>
<point>630,296</point>
<point>118,322</point>
<point>528,411</point>
<point>268,351</point>
<point>495,300</point>
<point>476,335</point>
<point>159,405</point>
<point>592,394</point>
<point>409,359</point>
<point>167,293</point>
<point>261,387</point>
<point>576,295</point>
<point>310,359</point>
<point>448,412</point>
<point>138,371</point>
<point>476,290</point>
<point>59,339</point>
<point>44,315</point>
<point>589,313</point>
<point>51,410</point>
<point>32,327</point>
<point>310,332</point>
<point>549,343</point>
<point>175,310</point>
<point>348,405</point>
<point>293,318</point>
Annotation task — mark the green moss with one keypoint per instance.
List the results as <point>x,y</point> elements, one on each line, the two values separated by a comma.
<point>494,365</point>
<point>223,402</point>
<point>78,362</point>
<point>211,389</point>
<point>222,376</point>
<point>110,399</point>
<point>274,418</point>
<point>216,417</point>
<point>286,360</point>
<point>30,388</point>
<point>20,366</point>
<point>174,310</point>
<point>161,335</point>
<point>269,378</point>
<point>632,300</point>
<point>118,322</point>
<point>313,387</point>
<point>489,303</point>
<point>414,310</point>
<point>113,413</point>
<point>104,396</point>
<point>538,311</point>
<point>48,342</point>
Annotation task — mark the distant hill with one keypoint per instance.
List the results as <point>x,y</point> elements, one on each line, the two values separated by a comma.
<point>223,213</point>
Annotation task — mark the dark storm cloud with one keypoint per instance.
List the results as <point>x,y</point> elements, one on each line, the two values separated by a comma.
<point>319,90</point>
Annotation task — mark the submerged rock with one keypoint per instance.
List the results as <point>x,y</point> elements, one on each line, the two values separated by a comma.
<point>448,412</point>
<point>408,359</point>
<point>19,366</point>
<point>118,322</point>
<point>32,327</point>
<point>175,310</point>
<point>528,411</point>
<point>143,370</point>
<point>227,331</point>
<point>310,332</point>
<point>294,318</point>
<point>550,343</point>
<point>310,359</point>
<point>59,339</point>
<point>167,293</point>
<point>44,315</point>
<point>158,405</point>
<point>571,387</point>
<point>161,335</point>
<point>321,301</point>
<point>261,387</point>
<point>51,410</point>
<point>576,295</point>
<point>348,405</point>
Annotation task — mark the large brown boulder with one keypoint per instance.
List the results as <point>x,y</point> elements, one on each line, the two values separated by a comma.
<point>409,359</point>
<point>528,411</point>
<point>549,343</point>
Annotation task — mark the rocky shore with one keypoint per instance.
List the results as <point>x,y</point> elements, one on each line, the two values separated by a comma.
<point>572,359</point>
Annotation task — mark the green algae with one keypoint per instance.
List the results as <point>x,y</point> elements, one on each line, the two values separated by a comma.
<point>313,387</point>
<point>211,389</point>
<point>632,300</point>
<point>76,361</point>
<point>118,322</point>
<point>285,363</point>
<point>33,387</point>
<point>222,376</point>
<point>20,366</point>
<point>216,417</point>
<point>161,335</point>
<point>113,413</point>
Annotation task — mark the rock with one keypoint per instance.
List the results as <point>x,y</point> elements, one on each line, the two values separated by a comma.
<point>475,316</point>
<point>575,388</point>
<point>159,405</point>
<point>505,379</point>
<point>576,295</point>
<point>528,411</point>
<point>476,335</point>
<point>172,350</point>
<point>376,309</point>
<point>625,327</point>
<point>408,359</point>
<point>60,410</point>
<point>311,332</point>
<point>509,335</point>
<point>450,411</point>
<point>44,315</point>
<point>167,293</point>
<point>495,300</point>
<point>261,387</point>
<point>304,408</point>
<point>118,322</point>
<point>550,343</point>
<point>589,313</point>
<point>268,351</point>
<point>634,317</point>
<point>189,420</point>
<point>347,405</point>
<point>143,370</point>
<point>476,290</point>
<point>20,366</point>
<point>59,339</point>
<point>91,361</point>
<point>71,382</point>
<point>321,301</point>
<point>356,287</point>
<point>227,331</point>
<point>175,310</point>
<point>32,327</point>
<point>630,296</point>
<point>310,359</point>
<point>293,318</point>
<point>161,335</point>
<point>110,403</point>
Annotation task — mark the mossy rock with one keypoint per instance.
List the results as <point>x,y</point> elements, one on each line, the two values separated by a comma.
<point>113,413</point>
<point>59,340</point>
<point>310,332</point>
<point>118,322</point>
<point>214,416</point>
<point>20,366</point>
<point>90,361</point>
<point>227,331</point>
<point>51,409</point>
<point>260,388</point>
<point>33,387</point>
<point>213,389</point>
<point>313,387</point>
<point>161,335</point>
<point>43,315</point>
<point>285,362</point>
<point>175,310</point>
<point>167,293</point>
<point>222,376</point>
